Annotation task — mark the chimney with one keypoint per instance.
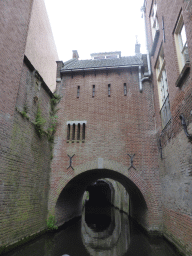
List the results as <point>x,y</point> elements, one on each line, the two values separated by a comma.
<point>75,54</point>
<point>137,48</point>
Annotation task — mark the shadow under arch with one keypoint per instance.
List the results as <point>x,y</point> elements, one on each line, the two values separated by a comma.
<point>106,192</point>
<point>69,202</point>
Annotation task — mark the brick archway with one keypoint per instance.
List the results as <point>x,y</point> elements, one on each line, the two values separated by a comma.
<point>66,198</point>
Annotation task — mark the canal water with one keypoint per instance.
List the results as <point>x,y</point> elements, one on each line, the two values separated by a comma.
<point>100,232</point>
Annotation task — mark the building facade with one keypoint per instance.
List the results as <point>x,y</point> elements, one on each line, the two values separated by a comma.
<point>106,129</point>
<point>169,35</point>
<point>28,78</point>
<point>124,120</point>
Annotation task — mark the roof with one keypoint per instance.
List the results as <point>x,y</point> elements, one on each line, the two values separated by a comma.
<point>77,65</point>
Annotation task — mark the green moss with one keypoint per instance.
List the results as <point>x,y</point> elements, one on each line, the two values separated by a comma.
<point>39,122</point>
<point>24,112</point>
<point>54,101</point>
<point>51,223</point>
<point>53,118</point>
<point>5,249</point>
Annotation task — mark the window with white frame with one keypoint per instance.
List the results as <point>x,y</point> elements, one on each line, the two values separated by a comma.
<point>181,43</point>
<point>163,88</point>
<point>154,20</point>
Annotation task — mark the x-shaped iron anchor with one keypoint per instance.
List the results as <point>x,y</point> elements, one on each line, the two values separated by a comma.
<point>70,161</point>
<point>131,161</point>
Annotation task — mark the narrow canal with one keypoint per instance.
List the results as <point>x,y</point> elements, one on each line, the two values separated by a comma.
<point>101,231</point>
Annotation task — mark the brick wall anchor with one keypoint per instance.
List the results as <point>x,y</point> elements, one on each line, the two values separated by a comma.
<point>183,122</point>
<point>131,161</point>
<point>70,161</point>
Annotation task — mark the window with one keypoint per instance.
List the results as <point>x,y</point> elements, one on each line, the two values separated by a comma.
<point>71,131</point>
<point>68,131</point>
<point>181,43</point>
<point>109,90</point>
<point>78,131</point>
<point>93,92</point>
<point>125,89</point>
<point>163,88</point>
<point>78,91</point>
<point>154,20</point>
<point>83,133</point>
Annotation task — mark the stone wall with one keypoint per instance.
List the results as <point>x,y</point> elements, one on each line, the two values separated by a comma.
<point>121,197</point>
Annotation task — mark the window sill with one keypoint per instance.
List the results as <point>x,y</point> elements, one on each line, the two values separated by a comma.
<point>183,74</point>
<point>75,141</point>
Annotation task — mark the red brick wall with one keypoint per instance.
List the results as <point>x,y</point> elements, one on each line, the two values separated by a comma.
<point>175,167</point>
<point>14,18</point>
<point>116,126</point>
<point>24,158</point>
<point>25,166</point>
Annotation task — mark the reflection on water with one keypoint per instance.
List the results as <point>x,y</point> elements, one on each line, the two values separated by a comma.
<point>101,231</point>
<point>101,239</point>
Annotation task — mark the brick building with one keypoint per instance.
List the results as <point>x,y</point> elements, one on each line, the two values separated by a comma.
<point>121,120</point>
<point>169,39</point>
<point>106,130</point>
<point>27,69</point>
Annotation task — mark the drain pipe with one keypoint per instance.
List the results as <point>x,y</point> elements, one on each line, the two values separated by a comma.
<point>140,80</point>
<point>147,75</point>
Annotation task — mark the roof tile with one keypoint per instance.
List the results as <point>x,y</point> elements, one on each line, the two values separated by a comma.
<point>75,64</point>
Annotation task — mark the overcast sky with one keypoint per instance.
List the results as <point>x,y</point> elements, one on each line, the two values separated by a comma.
<point>96,26</point>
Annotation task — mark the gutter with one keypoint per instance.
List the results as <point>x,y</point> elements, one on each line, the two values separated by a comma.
<point>98,68</point>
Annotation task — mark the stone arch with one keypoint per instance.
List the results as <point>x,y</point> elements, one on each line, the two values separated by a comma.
<point>69,202</point>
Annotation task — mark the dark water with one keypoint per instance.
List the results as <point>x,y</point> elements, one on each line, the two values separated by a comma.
<point>101,231</point>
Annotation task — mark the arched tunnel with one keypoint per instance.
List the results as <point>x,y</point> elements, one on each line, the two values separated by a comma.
<point>69,203</point>
<point>100,193</point>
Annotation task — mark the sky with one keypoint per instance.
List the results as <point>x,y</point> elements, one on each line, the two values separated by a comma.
<point>96,26</point>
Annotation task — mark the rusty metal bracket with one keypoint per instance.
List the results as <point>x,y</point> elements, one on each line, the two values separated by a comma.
<point>131,161</point>
<point>70,161</point>
<point>183,122</point>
